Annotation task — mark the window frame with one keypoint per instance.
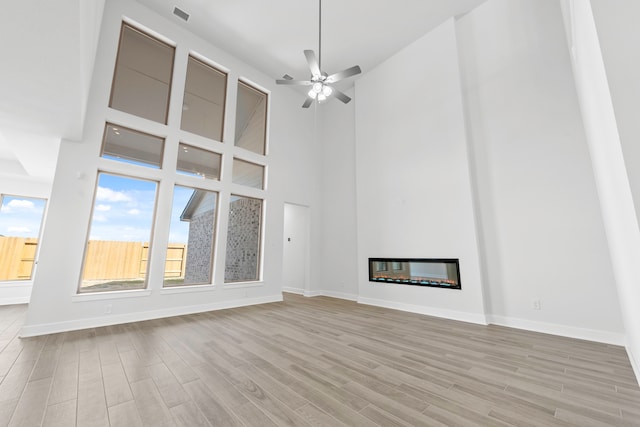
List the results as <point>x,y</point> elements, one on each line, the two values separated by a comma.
<point>130,129</point>
<point>150,34</point>
<point>252,86</point>
<point>39,239</point>
<point>260,247</point>
<point>214,241</point>
<point>209,64</point>
<point>152,233</point>
<point>264,173</point>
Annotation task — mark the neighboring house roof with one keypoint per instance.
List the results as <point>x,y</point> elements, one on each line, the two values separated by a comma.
<point>192,205</point>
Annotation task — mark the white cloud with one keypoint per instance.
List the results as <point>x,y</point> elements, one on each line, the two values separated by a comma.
<point>103,208</point>
<point>108,195</point>
<point>133,212</point>
<point>24,204</point>
<point>19,230</point>
<point>100,218</point>
<point>17,204</point>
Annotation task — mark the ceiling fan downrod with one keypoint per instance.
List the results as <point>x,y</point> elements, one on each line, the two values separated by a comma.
<point>320,81</point>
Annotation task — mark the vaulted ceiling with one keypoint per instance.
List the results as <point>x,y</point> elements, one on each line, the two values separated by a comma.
<point>49,49</point>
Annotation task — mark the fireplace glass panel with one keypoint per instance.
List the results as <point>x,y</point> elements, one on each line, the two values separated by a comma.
<point>441,273</point>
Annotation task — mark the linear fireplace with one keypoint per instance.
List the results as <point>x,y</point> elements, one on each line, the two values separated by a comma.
<point>433,272</point>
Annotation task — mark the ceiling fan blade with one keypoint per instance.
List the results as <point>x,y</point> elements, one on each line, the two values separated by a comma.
<point>294,82</point>
<point>307,102</point>
<point>287,77</point>
<point>341,95</point>
<point>344,74</point>
<point>313,62</point>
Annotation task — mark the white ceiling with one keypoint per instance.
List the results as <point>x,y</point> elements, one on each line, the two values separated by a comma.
<point>271,35</point>
<point>48,50</point>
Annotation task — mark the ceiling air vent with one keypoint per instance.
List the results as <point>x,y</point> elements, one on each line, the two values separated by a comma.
<point>180,13</point>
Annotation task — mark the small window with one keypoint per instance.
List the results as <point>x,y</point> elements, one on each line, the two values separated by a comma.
<point>191,236</point>
<point>249,174</point>
<point>251,119</point>
<point>142,78</point>
<point>130,146</point>
<point>20,222</point>
<point>243,240</point>
<point>198,162</point>
<point>204,98</point>
<point>118,248</point>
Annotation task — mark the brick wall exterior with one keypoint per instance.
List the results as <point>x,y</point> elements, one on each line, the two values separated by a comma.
<point>243,240</point>
<point>200,248</point>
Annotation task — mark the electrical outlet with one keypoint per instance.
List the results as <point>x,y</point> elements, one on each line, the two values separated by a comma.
<point>107,309</point>
<point>535,304</point>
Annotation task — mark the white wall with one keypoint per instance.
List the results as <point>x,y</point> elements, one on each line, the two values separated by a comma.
<point>619,37</point>
<point>605,131</point>
<point>543,234</point>
<point>338,268</point>
<point>414,196</point>
<point>291,165</point>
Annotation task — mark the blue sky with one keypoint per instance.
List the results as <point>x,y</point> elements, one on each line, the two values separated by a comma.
<point>21,216</point>
<point>123,210</point>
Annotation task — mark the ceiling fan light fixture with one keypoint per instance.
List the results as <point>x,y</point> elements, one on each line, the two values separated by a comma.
<point>319,81</point>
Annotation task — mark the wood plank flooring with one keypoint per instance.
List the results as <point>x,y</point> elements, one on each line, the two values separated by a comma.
<point>310,362</point>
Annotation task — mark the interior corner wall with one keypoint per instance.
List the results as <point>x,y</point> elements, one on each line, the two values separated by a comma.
<point>602,42</point>
<point>291,177</point>
<point>617,29</point>
<point>338,268</point>
<point>543,233</point>
<point>414,195</point>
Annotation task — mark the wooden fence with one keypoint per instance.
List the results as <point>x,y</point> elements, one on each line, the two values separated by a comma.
<point>105,259</point>
<point>16,257</point>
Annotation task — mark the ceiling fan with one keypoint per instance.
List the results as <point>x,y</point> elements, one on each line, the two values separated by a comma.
<point>320,81</point>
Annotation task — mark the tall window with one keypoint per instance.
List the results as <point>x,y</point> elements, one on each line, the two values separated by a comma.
<point>120,234</point>
<point>204,97</point>
<point>243,240</point>
<point>142,78</point>
<point>251,119</point>
<point>191,237</point>
<point>20,223</point>
<point>182,161</point>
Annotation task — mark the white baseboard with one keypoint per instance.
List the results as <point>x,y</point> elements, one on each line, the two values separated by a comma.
<point>312,293</point>
<point>14,300</point>
<point>606,337</point>
<point>429,311</point>
<point>634,364</point>
<point>95,322</point>
<point>332,294</point>
<point>340,295</point>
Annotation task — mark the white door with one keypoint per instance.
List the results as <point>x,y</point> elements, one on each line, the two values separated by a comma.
<point>295,272</point>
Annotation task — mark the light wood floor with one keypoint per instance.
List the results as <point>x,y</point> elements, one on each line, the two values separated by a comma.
<point>310,361</point>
